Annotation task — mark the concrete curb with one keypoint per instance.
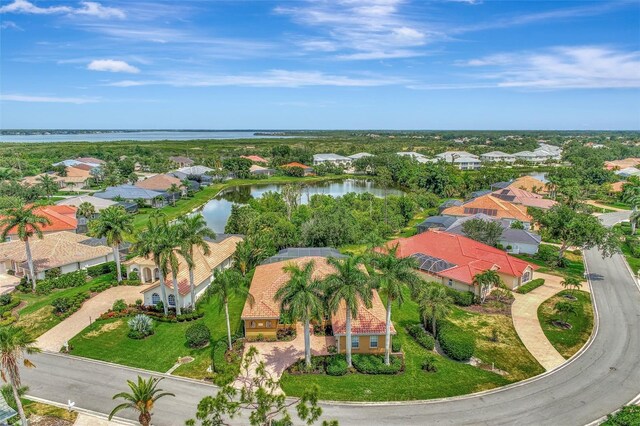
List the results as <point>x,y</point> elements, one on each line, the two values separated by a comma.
<point>118,420</point>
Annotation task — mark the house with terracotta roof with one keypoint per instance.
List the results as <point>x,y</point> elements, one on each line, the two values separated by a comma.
<point>531,184</point>
<point>307,170</point>
<point>454,260</point>
<point>263,316</point>
<point>61,218</point>
<point>493,207</point>
<point>160,183</point>
<point>622,164</point>
<point>255,158</point>
<point>261,171</point>
<point>64,250</point>
<point>77,177</point>
<point>220,257</point>
<point>181,161</point>
<point>526,198</point>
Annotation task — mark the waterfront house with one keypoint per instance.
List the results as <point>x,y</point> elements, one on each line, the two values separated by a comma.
<point>493,207</point>
<point>261,171</point>
<point>164,183</point>
<point>333,159</point>
<point>97,203</point>
<point>526,198</point>
<point>461,159</point>
<point>134,194</point>
<point>307,170</point>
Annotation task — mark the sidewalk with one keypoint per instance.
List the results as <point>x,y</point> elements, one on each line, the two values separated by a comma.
<point>524,312</point>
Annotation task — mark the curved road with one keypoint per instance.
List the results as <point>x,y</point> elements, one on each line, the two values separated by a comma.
<point>602,378</point>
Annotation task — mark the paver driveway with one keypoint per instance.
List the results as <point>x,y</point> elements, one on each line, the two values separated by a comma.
<point>524,312</point>
<point>55,338</point>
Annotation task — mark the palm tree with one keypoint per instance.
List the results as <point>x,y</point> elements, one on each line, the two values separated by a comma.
<point>564,310</point>
<point>14,343</point>
<point>48,184</point>
<point>571,283</point>
<point>302,298</point>
<point>151,243</point>
<point>194,231</point>
<point>634,218</point>
<point>390,276</point>
<point>27,224</point>
<point>173,190</point>
<point>227,283</point>
<point>172,235</point>
<point>349,284</point>
<point>143,396</point>
<point>246,255</point>
<point>86,210</point>
<point>114,222</point>
<point>486,281</point>
<point>434,305</point>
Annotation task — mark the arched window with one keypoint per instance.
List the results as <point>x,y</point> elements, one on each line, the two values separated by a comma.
<point>172,300</point>
<point>155,298</point>
<point>526,277</point>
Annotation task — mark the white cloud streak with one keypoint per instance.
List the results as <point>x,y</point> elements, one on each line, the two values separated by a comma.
<point>10,25</point>
<point>45,99</point>
<point>87,8</point>
<point>111,65</point>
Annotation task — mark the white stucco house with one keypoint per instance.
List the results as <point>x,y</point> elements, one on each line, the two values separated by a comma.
<point>497,156</point>
<point>333,159</point>
<point>220,257</point>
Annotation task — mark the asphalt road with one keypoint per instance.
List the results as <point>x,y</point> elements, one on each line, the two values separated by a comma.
<point>598,381</point>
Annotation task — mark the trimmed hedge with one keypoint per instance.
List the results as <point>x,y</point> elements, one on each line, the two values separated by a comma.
<point>65,306</point>
<point>395,345</point>
<point>72,279</point>
<point>461,298</point>
<point>336,365</point>
<point>102,269</point>
<point>374,364</point>
<point>422,337</point>
<point>531,285</point>
<point>8,307</point>
<point>455,342</point>
<point>197,335</point>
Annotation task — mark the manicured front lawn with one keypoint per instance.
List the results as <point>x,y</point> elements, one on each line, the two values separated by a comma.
<point>108,341</point>
<point>573,265</point>
<point>567,342</point>
<point>452,378</point>
<point>630,242</point>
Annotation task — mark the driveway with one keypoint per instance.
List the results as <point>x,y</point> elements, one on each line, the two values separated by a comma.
<point>524,312</point>
<point>8,283</point>
<point>54,339</point>
<point>277,356</point>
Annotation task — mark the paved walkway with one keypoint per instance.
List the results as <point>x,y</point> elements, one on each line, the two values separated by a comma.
<point>54,339</point>
<point>84,419</point>
<point>277,356</point>
<point>603,206</point>
<point>8,283</point>
<point>524,312</point>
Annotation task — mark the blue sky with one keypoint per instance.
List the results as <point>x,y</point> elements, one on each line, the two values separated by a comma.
<point>339,64</point>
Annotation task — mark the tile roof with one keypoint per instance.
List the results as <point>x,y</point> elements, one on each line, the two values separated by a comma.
<point>195,170</point>
<point>54,250</point>
<point>526,198</point>
<point>617,186</point>
<point>529,183</point>
<point>90,160</point>
<point>360,155</point>
<point>295,164</point>
<point>469,257</point>
<point>491,206</point>
<point>622,164</point>
<point>128,192</point>
<point>205,264</point>
<point>329,157</point>
<point>159,182</point>
<point>62,218</point>
<point>98,203</point>
<point>369,320</point>
<point>254,158</point>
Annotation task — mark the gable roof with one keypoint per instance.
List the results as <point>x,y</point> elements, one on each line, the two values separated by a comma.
<point>254,158</point>
<point>195,170</point>
<point>296,164</point>
<point>181,159</point>
<point>469,257</point>
<point>360,155</point>
<point>159,182</point>
<point>491,206</point>
<point>496,154</point>
<point>529,183</point>
<point>128,192</point>
<point>330,156</point>
<point>526,198</point>
<point>97,203</point>
<point>62,218</point>
<point>90,160</point>
<point>369,320</point>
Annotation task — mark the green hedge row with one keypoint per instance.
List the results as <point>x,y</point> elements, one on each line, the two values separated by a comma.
<point>8,307</point>
<point>461,298</point>
<point>422,337</point>
<point>65,306</point>
<point>72,279</point>
<point>336,365</point>
<point>374,364</point>
<point>102,269</point>
<point>455,342</point>
<point>531,285</point>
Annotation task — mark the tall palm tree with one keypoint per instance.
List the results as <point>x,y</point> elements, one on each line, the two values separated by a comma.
<point>27,224</point>
<point>247,254</point>
<point>142,398</point>
<point>172,235</point>
<point>152,243</point>
<point>486,281</point>
<point>86,210</point>
<point>173,190</point>
<point>349,284</point>
<point>194,230</point>
<point>434,305</point>
<point>14,343</point>
<point>302,298</point>
<point>634,218</point>
<point>114,222</point>
<point>48,184</point>
<point>225,284</point>
<point>390,276</point>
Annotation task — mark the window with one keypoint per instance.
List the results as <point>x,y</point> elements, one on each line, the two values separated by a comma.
<point>526,277</point>
<point>450,282</point>
<point>355,342</point>
<point>373,342</point>
<point>172,300</point>
<point>252,324</point>
<point>155,298</point>
<point>268,324</point>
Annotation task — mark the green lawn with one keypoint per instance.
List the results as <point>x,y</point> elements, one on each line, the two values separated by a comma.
<point>108,341</point>
<point>574,265</point>
<point>625,247</point>
<point>37,315</point>
<point>567,342</point>
<point>452,378</point>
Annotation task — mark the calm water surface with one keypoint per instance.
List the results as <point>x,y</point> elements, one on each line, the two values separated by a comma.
<point>135,136</point>
<point>217,211</point>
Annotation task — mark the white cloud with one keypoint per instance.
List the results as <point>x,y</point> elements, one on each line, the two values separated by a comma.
<point>111,65</point>
<point>272,78</point>
<point>10,25</point>
<point>88,8</point>
<point>45,99</point>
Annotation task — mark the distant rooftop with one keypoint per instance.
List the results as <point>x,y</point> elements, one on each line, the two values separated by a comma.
<point>296,252</point>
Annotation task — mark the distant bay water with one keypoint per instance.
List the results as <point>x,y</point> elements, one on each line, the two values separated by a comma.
<point>159,135</point>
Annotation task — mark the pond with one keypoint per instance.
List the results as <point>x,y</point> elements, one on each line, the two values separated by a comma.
<point>217,211</point>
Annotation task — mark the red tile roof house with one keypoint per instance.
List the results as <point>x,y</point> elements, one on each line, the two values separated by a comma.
<point>307,170</point>
<point>263,316</point>
<point>62,218</point>
<point>255,158</point>
<point>454,260</point>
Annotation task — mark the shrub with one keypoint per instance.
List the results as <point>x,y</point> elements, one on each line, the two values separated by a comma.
<point>374,364</point>
<point>52,273</point>
<point>332,349</point>
<point>5,299</point>
<point>133,276</point>
<point>72,279</point>
<point>197,335</point>
<point>65,306</point>
<point>9,306</point>
<point>138,302</point>
<point>395,345</point>
<point>119,305</point>
<point>627,416</point>
<point>461,298</point>
<point>547,253</point>
<point>140,326</point>
<point>336,365</point>
<point>61,305</point>
<point>422,337</point>
<point>531,285</point>
<point>429,364</point>
<point>455,342</point>
<point>102,269</point>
